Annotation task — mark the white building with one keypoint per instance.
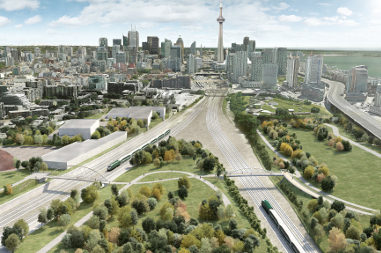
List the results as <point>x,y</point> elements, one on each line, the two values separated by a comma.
<point>256,66</point>
<point>85,127</point>
<point>314,69</point>
<point>292,71</point>
<point>269,76</point>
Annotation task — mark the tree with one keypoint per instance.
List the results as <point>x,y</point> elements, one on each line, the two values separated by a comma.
<point>18,163</point>
<point>38,139</point>
<point>183,192</point>
<point>12,242</point>
<point>331,143</point>
<point>168,156</point>
<point>184,181</point>
<point>156,162</point>
<point>113,235</point>
<point>101,212</point>
<point>208,164</point>
<point>77,239</point>
<point>148,225</point>
<point>178,157</point>
<point>318,231</point>
<point>124,217</point>
<point>171,195</point>
<point>42,217</point>
<point>221,212</point>
<point>353,233</point>
<point>64,220</point>
<point>336,240</point>
<point>327,184</point>
<point>168,215</point>
<point>338,206</point>
<point>20,138</point>
<point>164,208</point>
<point>251,242</point>
<point>145,190</point>
<point>339,147</point>
<point>23,226</point>
<point>114,190</point>
<point>44,166</point>
<point>134,217</point>
<point>309,171</point>
<point>90,194</point>
<point>152,202</point>
<point>49,214</point>
<point>96,135</point>
<point>229,211</point>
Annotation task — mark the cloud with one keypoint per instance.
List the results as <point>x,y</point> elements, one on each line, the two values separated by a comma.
<point>344,11</point>
<point>33,20</point>
<point>18,26</point>
<point>281,7</point>
<point>14,5</point>
<point>50,31</point>
<point>4,21</point>
<point>324,4</point>
<point>336,20</point>
<point>166,28</point>
<point>314,22</point>
<point>290,18</point>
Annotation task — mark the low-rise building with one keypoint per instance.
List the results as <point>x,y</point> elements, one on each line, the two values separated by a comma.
<point>85,127</point>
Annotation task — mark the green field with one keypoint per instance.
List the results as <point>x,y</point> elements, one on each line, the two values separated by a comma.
<point>42,236</point>
<point>12,177</point>
<point>356,170</point>
<point>160,176</point>
<point>187,165</point>
<point>297,106</point>
<point>19,190</point>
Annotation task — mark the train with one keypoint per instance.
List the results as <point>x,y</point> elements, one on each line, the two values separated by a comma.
<point>126,158</point>
<point>290,238</point>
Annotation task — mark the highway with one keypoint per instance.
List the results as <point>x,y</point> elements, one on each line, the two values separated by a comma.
<point>29,209</point>
<point>253,184</point>
<point>361,118</point>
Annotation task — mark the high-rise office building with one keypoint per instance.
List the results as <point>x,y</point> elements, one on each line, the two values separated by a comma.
<point>145,46</point>
<point>116,42</point>
<point>292,71</point>
<point>165,50</point>
<point>153,42</point>
<point>120,57</point>
<point>220,47</point>
<point>314,69</point>
<point>193,48</point>
<point>256,66</point>
<point>176,52</point>
<point>180,43</point>
<point>102,54</point>
<point>125,41</point>
<point>103,42</point>
<point>269,76</point>
<point>281,60</point>
<point>358,79</point>
<point>230,66</point>
<point>250,46</point>
<point>133,40</point>
<point>191,63</point>
<point>240,69</point>
<point>246,41</point>
<point>269,56</point>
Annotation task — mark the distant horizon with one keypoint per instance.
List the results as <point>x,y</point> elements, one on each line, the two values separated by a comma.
<point>259,48</point>
<point>295,24</point>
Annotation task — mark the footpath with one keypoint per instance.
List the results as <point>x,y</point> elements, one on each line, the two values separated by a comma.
<point>79,223</point>
<point>315,191</point>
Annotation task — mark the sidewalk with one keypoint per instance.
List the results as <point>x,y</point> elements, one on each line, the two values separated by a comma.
<point>320,192</point>
<point>357,144</point>
<point>79,223</point>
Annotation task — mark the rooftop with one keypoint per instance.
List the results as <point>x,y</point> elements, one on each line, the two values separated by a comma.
<point>79,123</point>
<point>133,111</point>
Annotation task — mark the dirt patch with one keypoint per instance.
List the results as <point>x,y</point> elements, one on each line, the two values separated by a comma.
<point>6,161</point>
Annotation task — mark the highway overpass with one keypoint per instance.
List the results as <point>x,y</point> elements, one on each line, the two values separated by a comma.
<point>336,103</point>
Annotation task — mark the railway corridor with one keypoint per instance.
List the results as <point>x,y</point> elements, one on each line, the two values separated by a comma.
<point>29,209</point>
<point>253,185</point>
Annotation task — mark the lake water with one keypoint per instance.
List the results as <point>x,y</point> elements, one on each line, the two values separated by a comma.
<point>347,62</point>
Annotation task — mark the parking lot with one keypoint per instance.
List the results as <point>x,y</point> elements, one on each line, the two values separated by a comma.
<point>25,152</point>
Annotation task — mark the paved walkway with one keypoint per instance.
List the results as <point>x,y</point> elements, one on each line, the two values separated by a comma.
<point>305,182</point>
<point>79,223</point>
<point>337,133</point>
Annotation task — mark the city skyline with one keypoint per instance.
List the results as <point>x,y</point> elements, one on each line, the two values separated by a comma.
<point>293,24</point>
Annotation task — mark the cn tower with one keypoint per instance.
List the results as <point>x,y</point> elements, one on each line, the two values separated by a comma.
<point>220,49</point>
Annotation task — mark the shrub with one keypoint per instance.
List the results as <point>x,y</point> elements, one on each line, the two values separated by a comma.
<point>327,184</point>
<point>308,172</point>
<point>152,202</point>
<point>184,181</point>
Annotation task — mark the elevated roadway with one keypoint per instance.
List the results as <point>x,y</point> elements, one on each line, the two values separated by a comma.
<point>336,103</point>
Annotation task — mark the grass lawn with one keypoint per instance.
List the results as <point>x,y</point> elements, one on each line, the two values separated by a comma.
<point>356,170</point>
<point>12,177</point>
<point>160,176</point>
<point>282,103</point>
<point>39,238</point>
<point>99,115</point>
<point>19,190</point>
<point>186,165</point>
<point>155,122</point>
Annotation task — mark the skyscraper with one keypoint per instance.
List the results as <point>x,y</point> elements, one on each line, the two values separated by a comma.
<point>220,47</point>
<point>153,43</point>
<point>269,76</point>
<point>269,55</point>
<point>116,42</point>
<point>292,71</point>
<point>103,42</point>
<point>256,66</point>
<point>314,69</point>
<point>191,63</point>
<point>358,79</point>
<point>281,59</point>
<point>133,39</point>
<point>193,48</point>
<point>165,50</point>
<point>180,43</point>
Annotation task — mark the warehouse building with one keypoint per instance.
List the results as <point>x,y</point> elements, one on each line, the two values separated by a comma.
<point>85,127</point>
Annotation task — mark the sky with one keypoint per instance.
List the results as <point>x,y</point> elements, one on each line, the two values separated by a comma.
<point>306,24</point>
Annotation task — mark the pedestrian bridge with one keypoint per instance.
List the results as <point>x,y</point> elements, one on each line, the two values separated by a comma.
<point>254,172</point>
